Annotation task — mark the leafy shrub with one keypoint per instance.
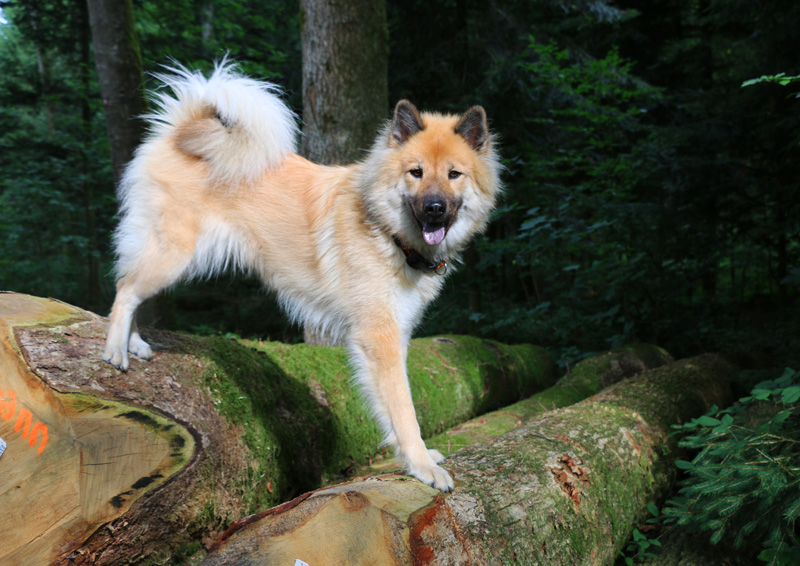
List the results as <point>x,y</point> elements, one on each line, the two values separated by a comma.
<point>744,482</point>
<point>640,546</point>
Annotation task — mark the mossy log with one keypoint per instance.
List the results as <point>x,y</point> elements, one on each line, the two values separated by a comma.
<point>587,378</point>
<point>566,488</point>
<point>105,467</point>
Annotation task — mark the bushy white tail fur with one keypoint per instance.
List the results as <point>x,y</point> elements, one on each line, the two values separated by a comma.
<point>239,125</point>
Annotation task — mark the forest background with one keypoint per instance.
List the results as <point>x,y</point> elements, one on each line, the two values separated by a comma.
<point>649,195</point>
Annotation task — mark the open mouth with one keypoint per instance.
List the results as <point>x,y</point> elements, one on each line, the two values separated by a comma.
<point>434,214</point>
<point>433,233</point>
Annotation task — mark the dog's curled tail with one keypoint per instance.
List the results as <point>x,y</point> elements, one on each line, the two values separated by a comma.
<point>240,126</point>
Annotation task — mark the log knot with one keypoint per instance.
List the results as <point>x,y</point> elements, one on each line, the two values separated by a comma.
<point>353,501</point>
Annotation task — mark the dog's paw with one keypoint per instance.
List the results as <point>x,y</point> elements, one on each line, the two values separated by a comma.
<point>434,476</point>
<point>117,358</point>
<point>437,456</point>
<point>140,348</point>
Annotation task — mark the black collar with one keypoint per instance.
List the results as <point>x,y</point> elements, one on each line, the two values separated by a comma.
<point>418,261</point>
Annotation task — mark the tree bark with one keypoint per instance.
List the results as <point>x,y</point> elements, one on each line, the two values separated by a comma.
<point>567,488</point>
<point>93,280</point>
<point>586,378</point>
<point>105,467</point>
<point>119,70</point>
<point>345,77</point>
<point>345,48</point>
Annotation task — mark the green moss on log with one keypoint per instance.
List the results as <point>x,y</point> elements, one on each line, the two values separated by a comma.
<point>564,489</point>
<point>456,377</point>
<point>569,487</point>
<point>586,378</point>
<point>306,424</point>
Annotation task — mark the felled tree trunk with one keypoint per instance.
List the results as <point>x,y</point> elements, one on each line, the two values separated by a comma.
<point>105,467</point>
<point>588,377</point>
<point>566,488</point>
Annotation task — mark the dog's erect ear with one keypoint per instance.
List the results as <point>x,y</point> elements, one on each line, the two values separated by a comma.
<point>474,127</point>
<point>406,122</point>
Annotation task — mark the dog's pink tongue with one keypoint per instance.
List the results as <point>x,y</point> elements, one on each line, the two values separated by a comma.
<point>434,237</point>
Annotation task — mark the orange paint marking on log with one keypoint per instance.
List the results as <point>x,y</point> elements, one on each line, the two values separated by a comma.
<point>8,408</point>
<point>41,428</point>
<point>25,423</point>
<point>25,417</point>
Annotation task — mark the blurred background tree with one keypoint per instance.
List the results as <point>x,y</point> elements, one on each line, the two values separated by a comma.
<point>648,194</point>
<point>341,65</point>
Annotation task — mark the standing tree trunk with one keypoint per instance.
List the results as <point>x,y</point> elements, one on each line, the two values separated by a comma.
<point>93,282</point>
<point>43,66</point>
<point>119,70</point>
<point>345,82</point>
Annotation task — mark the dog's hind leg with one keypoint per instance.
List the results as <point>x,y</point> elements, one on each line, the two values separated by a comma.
<point>378,354</point>
<point>122,325</point>
<point>136,345</point>
<point>151,275</point>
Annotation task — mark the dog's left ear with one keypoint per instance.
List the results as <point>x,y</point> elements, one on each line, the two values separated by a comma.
<point>406,122</point>
<point>474,127</point>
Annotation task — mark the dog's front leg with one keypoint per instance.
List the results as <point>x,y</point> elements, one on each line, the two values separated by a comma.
<point>378,352</point>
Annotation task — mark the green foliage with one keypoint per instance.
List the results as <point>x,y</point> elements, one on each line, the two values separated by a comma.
<point>641,546</point>
<point>648,196</point>
<point>262,37</point>
<point>744,482</point>
<point>56,202</point>
<point>653,201</point>
<point>574,186</point>
<point>780,79</point>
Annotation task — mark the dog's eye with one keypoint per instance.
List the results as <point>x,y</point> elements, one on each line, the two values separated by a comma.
<point>454,174</point>
<point>416,173</point>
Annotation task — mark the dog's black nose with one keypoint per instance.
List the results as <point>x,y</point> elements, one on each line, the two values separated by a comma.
<point>434,207</point>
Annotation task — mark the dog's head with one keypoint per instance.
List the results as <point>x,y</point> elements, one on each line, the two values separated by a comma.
<point>432,179</point>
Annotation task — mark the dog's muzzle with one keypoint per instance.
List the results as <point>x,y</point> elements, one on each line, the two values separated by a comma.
<point>434,215</point>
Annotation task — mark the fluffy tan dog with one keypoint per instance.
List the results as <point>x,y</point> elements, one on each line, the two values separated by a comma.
<point>355,253</point>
